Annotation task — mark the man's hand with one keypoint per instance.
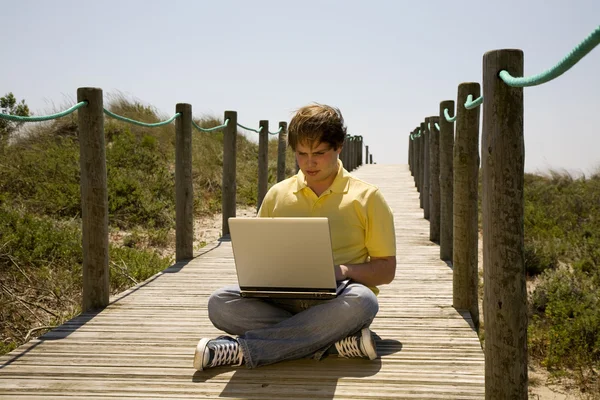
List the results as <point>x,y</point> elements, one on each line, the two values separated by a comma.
<point>340,272</point>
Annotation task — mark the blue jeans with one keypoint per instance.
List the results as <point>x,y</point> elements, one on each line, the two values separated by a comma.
<point>273,330</point>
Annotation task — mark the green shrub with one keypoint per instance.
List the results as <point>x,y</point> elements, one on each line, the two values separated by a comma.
<point>140,186</point>
<point>130,266</point>
<point>566,309</point>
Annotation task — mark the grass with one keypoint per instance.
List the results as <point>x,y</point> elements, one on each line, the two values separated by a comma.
<point>562,260</point>
<point>40,209</point>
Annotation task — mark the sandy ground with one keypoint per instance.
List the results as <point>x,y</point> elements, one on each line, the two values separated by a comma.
<point>208,229</point>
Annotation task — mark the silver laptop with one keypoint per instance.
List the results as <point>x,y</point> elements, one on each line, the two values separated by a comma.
<point>284,258</point>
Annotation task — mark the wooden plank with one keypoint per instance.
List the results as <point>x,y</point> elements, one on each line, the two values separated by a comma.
<point>141,346</point>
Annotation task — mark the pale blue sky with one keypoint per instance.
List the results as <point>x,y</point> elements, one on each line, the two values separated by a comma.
<point>385,64</point>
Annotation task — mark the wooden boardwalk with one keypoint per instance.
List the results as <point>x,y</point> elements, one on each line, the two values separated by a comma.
<point>141,346</point>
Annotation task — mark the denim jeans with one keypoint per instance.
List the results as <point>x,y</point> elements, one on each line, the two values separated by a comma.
<point>273,330</point>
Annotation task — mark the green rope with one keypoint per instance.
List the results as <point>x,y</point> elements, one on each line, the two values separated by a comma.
<point>563,66</point>
<point>19,118</point>
<point>132,121</point>
<point>447,115</point>
<point>210,129</point>
<point>470,103</point>
<point>437,126</point>
<point>276,133</point>
<point>250,129</point>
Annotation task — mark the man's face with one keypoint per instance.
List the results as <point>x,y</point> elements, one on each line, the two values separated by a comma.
<point>318,162</point>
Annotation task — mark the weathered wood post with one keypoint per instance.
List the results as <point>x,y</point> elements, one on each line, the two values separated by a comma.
<point>466,168</point>
<point>355,152</point>
<point>446,181</point>
<point>434,180</point>
<point>263,161</point>
<point>410,151</point>
<point>358,153</point>
<point>348,152</point>
<point>281,146</point>
<point>505,295</point>
<point>229,166</point>
<point>94,199</point>
<point>417,157</point>
<point>184,191</point>
<point>422,166</point>
<point>426,169</point>
<point>366,154</point>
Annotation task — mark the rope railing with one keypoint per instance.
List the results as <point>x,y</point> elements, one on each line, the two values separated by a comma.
<point>276,132</point>
<point>470,103</point>
<point>580,51</point>
<point>18,118</point>
<point>224,125</point>
<point>249,129</point>
<point>568,62</point>
<point>140,123</point>
<point>447,116</point>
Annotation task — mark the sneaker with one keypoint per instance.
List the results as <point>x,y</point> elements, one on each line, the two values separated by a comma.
<point>360,344</point>
<point>223,350</point>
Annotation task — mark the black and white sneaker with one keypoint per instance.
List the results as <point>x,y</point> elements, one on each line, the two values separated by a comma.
<point>360,345</point>
<point>223,350</point>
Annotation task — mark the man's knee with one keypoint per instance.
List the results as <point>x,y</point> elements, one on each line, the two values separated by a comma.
<point>363,302</point>
<point>219,304</point>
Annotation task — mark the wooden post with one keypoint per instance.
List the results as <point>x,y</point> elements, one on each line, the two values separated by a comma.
<point>94,199</point>
<point>263,161</point>
<point>426,171</point>
<point>422,165</point>
<point>367,154</point>
<point>345,152</point>
<point>505,295</point>
<point>446,183</point>
<point>184,191</point>
<point>357,151</point>
<point>417,157</point>
<point>360,151</point>
<point>353,152</point>
<point>229,165</point>
<point>434,181</point>
<point>370,158</point>
<point>466,168</point>
<point>281,146</point>
<point>410,160</point>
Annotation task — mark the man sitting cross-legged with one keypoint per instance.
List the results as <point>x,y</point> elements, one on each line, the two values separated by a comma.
<point>364,250</point>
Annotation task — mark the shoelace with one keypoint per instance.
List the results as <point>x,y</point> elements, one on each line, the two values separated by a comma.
<point>349,347</point>
<point>226,353</point>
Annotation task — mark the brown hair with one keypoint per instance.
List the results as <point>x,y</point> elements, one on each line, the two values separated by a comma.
<point>317,123</point>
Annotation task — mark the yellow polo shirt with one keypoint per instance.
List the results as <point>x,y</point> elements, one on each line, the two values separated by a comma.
<point>360,220</point>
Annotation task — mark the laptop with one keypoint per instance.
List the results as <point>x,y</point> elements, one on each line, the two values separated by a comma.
<point>284,258</point>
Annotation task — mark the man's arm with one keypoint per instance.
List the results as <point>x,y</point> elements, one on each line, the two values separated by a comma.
<point>378,271</point>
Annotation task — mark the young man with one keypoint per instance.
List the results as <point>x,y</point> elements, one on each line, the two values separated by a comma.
<point>364,250</point>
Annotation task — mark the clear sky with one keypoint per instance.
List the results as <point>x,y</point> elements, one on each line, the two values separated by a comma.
<point>385,64</point>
